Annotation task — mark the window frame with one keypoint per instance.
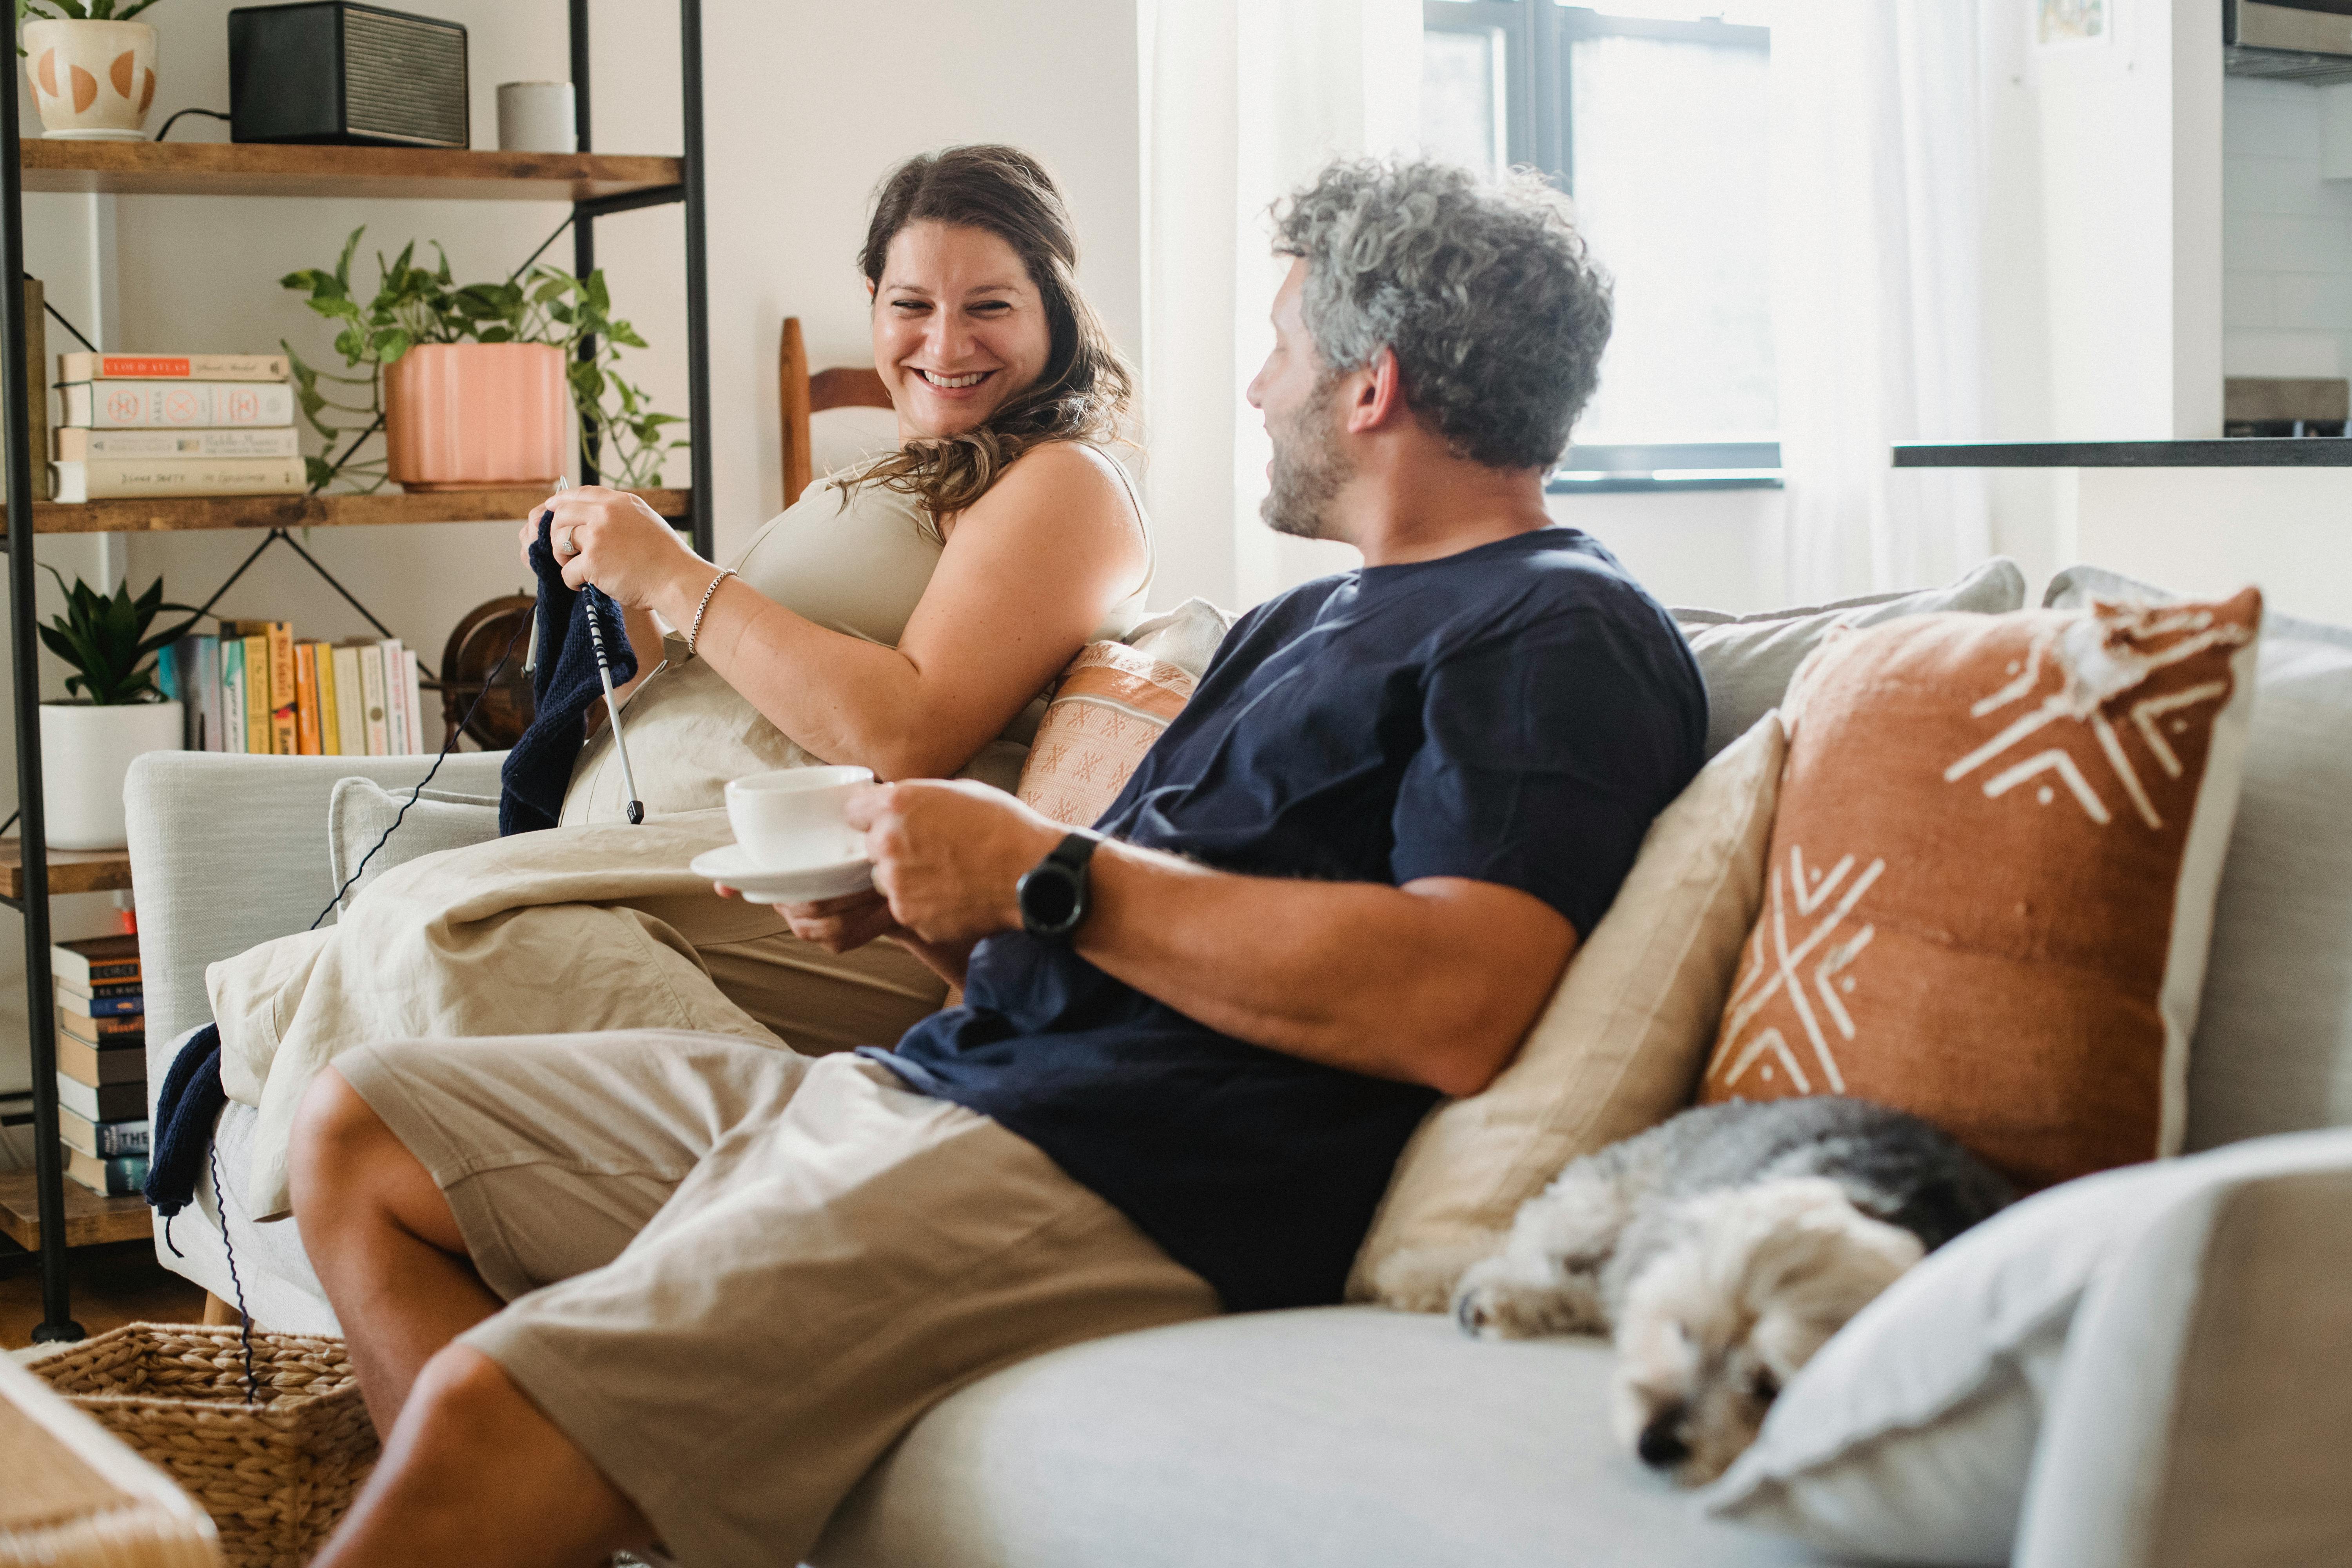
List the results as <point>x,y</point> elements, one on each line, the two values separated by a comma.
<point>1538,124</point>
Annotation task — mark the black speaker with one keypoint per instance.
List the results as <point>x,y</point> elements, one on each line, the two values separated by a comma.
<point>335,72</point>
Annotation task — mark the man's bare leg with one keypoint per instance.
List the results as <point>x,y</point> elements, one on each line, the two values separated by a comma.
<point>472,1471</point>
<point>384,1241</point>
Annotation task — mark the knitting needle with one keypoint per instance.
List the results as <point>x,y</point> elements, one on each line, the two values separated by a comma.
<point>612,702</point>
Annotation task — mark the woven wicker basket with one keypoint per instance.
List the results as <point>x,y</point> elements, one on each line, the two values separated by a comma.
<point>274,1475</point>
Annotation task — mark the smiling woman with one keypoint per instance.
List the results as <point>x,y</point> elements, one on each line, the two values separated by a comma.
<point>904,617</point>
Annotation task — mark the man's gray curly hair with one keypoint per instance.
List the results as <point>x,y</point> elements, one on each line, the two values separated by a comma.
<point>1483,289</point>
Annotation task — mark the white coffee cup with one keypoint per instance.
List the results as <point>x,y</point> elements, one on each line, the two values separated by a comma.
<point>792,818</point>
<point>537,117</point>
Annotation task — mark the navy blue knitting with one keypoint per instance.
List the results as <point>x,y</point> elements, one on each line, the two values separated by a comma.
<point>564,687</point>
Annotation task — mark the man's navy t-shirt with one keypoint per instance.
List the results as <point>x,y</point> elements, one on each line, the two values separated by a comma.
<point>1516,714</point>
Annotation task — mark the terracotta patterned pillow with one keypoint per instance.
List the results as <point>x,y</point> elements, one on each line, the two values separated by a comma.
<point>1991,876</point>
<point>1109,705</point>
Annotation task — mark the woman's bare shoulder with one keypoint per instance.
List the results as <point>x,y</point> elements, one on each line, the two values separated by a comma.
<point>1059,483</point>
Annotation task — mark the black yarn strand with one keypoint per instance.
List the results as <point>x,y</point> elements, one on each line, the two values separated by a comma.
<point>487,681</point>
<point>236,1285</point>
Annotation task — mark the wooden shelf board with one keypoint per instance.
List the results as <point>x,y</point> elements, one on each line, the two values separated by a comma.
<point>257,169</point>
<point>70,870</point>
<point>172,513</point>
<point>89,1219</point>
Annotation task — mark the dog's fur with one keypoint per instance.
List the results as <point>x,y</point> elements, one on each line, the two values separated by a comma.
<point>1723,1247</point>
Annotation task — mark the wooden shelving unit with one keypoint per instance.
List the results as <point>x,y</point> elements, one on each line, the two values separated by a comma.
<point>170,515</point>
<point>89,1219</point>
<point>247,169</point>
<point>47,1210</point>
<point>70,870</point>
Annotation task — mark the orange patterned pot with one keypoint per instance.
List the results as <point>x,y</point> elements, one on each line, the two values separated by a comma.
<point>92,81</point>
<point>470,415</point>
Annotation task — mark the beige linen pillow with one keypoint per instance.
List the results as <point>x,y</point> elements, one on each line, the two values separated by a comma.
<point>1618,1049</point>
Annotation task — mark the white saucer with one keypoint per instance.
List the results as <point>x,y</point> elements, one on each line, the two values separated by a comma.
<point>732,866</point>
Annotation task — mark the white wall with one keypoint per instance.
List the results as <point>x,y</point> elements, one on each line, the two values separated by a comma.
<point>807,105</point>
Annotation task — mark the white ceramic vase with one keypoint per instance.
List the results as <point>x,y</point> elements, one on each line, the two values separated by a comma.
<point>86,751</point>
<point>92,81</point>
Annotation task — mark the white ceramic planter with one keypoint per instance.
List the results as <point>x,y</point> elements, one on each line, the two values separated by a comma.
<point>92,81</point>
<point>86,752</point>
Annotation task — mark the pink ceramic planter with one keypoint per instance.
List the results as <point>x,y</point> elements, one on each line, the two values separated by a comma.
<point>471,416</point>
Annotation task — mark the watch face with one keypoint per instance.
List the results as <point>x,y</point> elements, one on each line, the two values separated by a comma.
<point>1049,899</point>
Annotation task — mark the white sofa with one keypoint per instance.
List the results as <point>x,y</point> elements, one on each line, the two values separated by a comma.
<point>1359,1437</point>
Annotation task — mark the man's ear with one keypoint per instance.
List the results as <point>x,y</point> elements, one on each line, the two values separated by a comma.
<point>1379,397</point>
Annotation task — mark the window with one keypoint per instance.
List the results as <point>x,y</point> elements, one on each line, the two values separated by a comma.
<point>1654,117</point>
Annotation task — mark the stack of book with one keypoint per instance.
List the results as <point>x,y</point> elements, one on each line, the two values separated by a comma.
<point>101,1063</point>
<point>252,687</point>
<point>140,426</point>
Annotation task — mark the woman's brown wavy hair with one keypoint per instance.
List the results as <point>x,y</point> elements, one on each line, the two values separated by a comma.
<point>1084,389</point>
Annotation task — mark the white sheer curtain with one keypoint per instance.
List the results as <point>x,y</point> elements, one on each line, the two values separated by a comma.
<point>1878,199</point>
<point>1243,100</point>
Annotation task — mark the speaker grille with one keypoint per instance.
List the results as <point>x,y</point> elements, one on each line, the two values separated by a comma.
<point>404,79</point>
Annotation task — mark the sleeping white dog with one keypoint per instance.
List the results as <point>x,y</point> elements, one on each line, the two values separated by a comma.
<point>1724,1247</point>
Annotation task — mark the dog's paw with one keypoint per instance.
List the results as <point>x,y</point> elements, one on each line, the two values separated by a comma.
<point>1492,1305</point>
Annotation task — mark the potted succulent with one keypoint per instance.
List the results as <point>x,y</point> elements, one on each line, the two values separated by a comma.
<point>92,68</point>
<point>468,382</point>
<point>116,711</point>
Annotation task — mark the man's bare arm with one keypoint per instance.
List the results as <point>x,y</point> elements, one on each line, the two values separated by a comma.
<point>1432,983</point>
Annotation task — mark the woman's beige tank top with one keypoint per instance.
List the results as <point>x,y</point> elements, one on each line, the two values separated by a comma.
<point>857,566</point>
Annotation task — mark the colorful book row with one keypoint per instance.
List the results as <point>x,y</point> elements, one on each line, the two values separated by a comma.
<point>254,688</point>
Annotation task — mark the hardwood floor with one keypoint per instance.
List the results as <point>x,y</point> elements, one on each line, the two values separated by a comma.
<point>112,1285</point>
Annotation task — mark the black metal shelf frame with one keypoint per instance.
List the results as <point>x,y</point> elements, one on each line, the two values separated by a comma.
<point>16,393</point>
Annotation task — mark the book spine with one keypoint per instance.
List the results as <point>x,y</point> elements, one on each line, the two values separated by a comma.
<point>284,692</point>
<point>115,1102</point>
<point>232,694</point>
<point>116,1178</point>
<point>78,444</point>
<point>118,1138</point>
<point>76,967</point>
<point>331,718</point>
<point>104,1032</point>
<point>167,406</point>
<point>101,1007</point>
<point>415,688</point>
<point>257,695</point>
<point>379,734</point>
<point>102,990</point>
<point>99,1067</point>
<point>121,479</point>
<point>395,699</point>
<point>308,731</point>
<point>207,737</point>
<point>171,367</point>
<point>351,704</point>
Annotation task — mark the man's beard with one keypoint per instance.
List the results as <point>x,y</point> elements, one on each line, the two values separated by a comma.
<point>1308,469</point>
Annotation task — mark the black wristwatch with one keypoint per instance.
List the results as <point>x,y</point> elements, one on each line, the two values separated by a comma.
<point>1052,896</point>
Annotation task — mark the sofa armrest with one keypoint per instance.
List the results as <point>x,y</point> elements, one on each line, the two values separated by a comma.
<point>227,851</point>
<point>2199,1414</point>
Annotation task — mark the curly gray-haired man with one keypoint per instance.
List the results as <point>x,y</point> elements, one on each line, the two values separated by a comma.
<point>1193,1038</point>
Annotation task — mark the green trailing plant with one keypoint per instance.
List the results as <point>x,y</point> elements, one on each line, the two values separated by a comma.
<point>416,304</point>
<point>104,637</point>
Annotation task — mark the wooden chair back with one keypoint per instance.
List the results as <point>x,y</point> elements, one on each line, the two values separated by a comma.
<point>801,395</point>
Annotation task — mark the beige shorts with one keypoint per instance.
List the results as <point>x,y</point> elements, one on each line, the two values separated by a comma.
<point>737,1274</point>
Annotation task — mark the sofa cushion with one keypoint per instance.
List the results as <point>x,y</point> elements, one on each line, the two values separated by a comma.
<point>1749,661</point>
<point>1617,1050</point>
<point>1337,1436</point>
<point>361,813</point>
<point>1108,705</point>
<point>1991,879</point>
<point>1912,1435</point>
<point>2273,1051</point>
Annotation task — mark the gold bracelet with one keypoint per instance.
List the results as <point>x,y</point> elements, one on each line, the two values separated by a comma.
<point>694,630</point>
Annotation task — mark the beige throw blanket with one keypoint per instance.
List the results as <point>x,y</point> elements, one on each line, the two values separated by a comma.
<point>572,928</point>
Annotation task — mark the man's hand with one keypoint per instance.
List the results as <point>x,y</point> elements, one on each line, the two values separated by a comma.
<point>947,855</point>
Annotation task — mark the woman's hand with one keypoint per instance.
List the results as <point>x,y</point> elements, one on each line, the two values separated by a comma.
<point>615,540</point>
<point>837,925</point>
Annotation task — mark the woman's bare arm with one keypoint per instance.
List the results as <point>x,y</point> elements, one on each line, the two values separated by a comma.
<point>1028,573</point>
